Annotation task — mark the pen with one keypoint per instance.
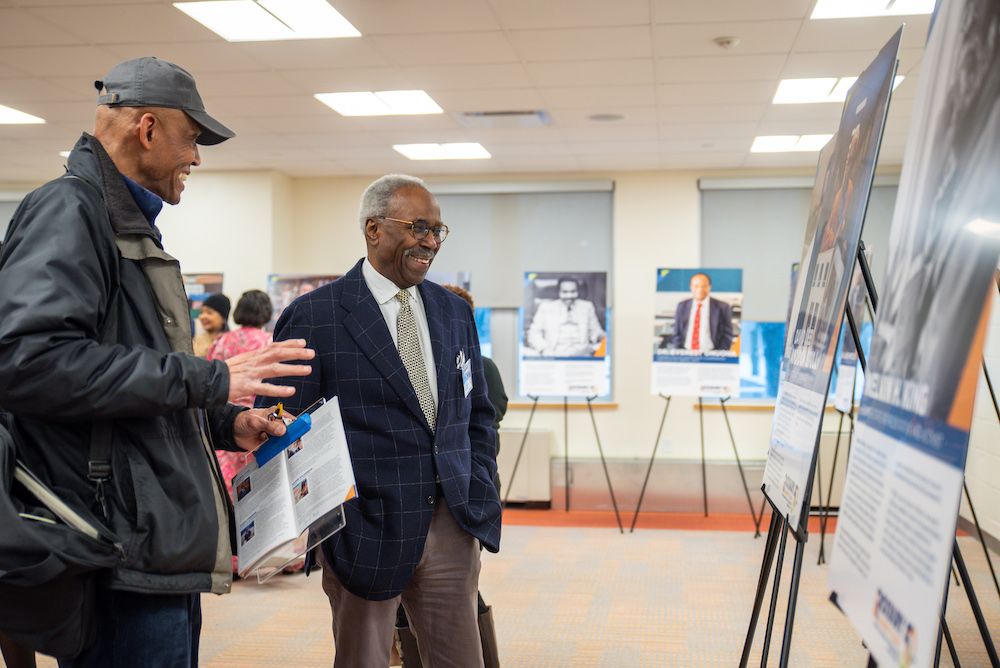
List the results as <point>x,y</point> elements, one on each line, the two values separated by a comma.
<point>276,415</point>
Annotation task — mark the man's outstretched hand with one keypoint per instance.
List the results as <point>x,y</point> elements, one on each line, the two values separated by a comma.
<point>248,371</point>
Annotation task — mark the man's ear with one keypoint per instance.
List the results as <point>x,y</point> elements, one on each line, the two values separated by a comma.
<point>372,232</point>
<point>148,126</point>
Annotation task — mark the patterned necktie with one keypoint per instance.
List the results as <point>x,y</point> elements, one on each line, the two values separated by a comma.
<point>696,329</point>
<point>413,358</point>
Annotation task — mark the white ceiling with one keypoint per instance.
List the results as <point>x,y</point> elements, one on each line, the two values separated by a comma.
<point>687,102</point>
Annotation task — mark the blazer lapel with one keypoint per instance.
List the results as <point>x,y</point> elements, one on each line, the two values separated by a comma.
<point>365,324</point>
<point>441,343</point>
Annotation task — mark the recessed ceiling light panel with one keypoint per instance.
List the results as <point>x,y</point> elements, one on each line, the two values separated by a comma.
<point>381,103</point>
<point>265,20</point>
<point>845,9</point>
<point>811,91</point>
<point>10,116</point>
<point>459,151</point>
<point>789,143</point>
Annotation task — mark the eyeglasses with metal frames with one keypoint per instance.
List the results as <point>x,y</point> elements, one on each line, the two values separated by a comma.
<point>420,228</point>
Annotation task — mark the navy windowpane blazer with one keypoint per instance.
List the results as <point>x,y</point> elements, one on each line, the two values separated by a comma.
<point>395,455</point>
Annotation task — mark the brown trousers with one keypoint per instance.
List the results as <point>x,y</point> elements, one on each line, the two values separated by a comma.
<point>440,602</point>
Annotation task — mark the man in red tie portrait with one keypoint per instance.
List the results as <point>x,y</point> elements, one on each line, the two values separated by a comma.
<point>702,323</point>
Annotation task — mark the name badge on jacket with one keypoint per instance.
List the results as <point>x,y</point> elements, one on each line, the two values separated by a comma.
<point>465,366</point>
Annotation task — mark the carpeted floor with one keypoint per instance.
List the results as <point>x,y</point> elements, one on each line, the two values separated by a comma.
<point>568,589</point>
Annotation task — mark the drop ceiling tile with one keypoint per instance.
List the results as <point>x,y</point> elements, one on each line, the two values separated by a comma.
<point>582,44</point>
<point>618,163</point>
<point>581,118</point>
<point>740,92</point>
<point>394,17</point>
<point>198,58</point>
<point>851,34</point>
<point>314,54</point>
<point>825,112</point>
<point>351,79</point>
<point>709,131</point>
<point>531,14</point>
<point>706,11</point>
<point>446,48</point>
<point>32,89</point>
<point>622,97</point>
<point>711,113</point>
<point>513,99</point>
<point>144,22</point>
<point>91,61</point>
<point>720,68</point>
<point>19,27</point>
<point>632,71</point>
<point>468,77</point>
<point>611,132</point>
<point>756,37</point>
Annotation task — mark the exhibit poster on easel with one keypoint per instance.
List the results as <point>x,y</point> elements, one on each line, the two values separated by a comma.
<point>817,317</point>
<point>283,289</point>
<point>563,339</point>
<point>198,287</point>
<point>847,365</point>
<point>796,294</point>
<point>899,511</point>
<point>696,332</point>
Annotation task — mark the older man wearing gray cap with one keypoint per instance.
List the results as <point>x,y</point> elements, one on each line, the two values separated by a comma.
<point>95,344</point>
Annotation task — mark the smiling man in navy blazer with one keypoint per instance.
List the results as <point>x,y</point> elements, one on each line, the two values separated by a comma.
<point>420,437</point>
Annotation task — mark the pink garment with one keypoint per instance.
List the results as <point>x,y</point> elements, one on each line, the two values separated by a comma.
<point>230,344</point>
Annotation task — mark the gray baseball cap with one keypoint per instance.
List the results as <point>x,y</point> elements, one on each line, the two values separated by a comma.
<point>150,82</point>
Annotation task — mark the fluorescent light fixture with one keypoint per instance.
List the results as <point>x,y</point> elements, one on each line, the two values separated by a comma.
<point>10,116</point>
<point>810,91</point>
<point>381,103</point>
<point>263,20</point>
<point>789,143</point>
<point>847,9</point>
<point>443,151</point>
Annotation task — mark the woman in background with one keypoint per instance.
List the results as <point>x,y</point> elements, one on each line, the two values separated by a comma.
<point>214,317</point>
<point>253,311</point>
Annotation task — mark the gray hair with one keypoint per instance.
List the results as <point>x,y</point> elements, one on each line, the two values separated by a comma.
<point>377,198</point>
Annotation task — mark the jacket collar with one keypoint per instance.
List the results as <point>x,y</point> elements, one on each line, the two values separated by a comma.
<point>91,162</point>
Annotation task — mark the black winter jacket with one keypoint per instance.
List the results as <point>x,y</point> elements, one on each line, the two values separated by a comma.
<point>77,247</point>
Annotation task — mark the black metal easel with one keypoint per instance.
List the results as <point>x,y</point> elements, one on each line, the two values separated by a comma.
<point>600,449</point>
<point>520,450</point>
<point>704,482</point>
<point>780,528</point>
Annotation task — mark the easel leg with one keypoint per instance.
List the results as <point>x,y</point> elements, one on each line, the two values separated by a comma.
<point>773,534</point>
<point>649,470</point>
<point>566,447</point>
<point>977,611</point>
<point>739,465</point>
<point>951,643</point>
<point>604,463</point>
<point>793,595</point>
<point>704,481</point>
<point>783,539</point>
<point>825,510</point>
<point>982,542</point>
<point>996,407</point>
<point>520,451</point>
<point>941,625</point>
